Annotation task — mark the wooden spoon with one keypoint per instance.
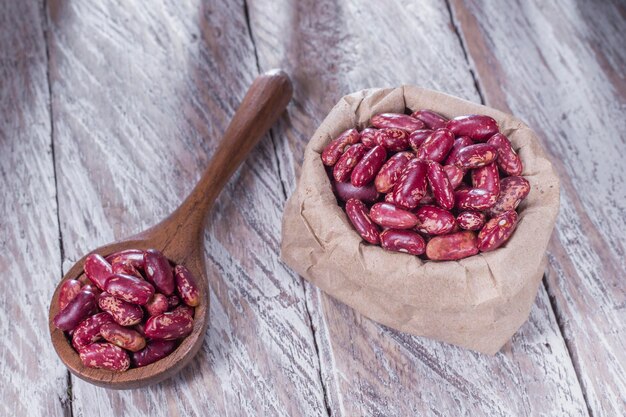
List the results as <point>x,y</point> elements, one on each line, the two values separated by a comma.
<point>180,236</point>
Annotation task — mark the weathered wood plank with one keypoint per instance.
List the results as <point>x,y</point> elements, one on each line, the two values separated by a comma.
<point>565,76</point>
<point>34,382</point>
<point>333,48</point>
<point>141,97</point>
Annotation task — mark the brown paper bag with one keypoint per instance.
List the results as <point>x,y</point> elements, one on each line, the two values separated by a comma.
<point>478,302</point>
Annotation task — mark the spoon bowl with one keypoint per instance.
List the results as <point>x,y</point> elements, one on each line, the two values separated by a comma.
<point>180,236</point>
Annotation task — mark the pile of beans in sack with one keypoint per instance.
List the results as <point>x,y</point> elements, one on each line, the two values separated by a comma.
<point>428,186</point>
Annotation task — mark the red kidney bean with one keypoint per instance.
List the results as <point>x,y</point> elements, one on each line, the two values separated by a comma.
<point>69,289</point>
<point>97,269</point>
<point>475,156</point>
<point>477,126</point>
<point>358,214</point>
<point>390,172</point>
<point>471,220</point>
<point>154,351</point>
<point>75,311</point>
<point>474,199</point>
<point>388,215</point>
<point>395,140</point>
<point>126,269</point>
<point>345,191</point>
<point>333,151</point>
<point>349,159</point>
<point>367,168</point>
<point>487,177</point>
<point>431,119</point>
<point>187,286</point>
<point>418,137</point>
<point>92,288</point>
<point>88,331</point>
<point>158,304</point>
<point>411,185</point>
<point>434,220</point>
<point>452,247</point>
<point>123,313</point>
<point>497,231</point>
<point>508,160</point>
<point>512,191</point>
<point>459,144</point>
<point>158,271</point>
<point>404,241</point>
<point>389,198</point>
<point>123,337</point>
<point>169,325</point>
<point>368,137</point>
<point>132,257</point>
<point>436,146</point>
<point>130,289</point>
<point>185,309</point>
<point>454,174</point>
<point>105,356</point>
<point>440,185</point>
<point>396,121</point>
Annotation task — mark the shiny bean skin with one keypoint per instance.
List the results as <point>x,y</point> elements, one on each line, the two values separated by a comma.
<point>368,167</point>
<point>436,146</point>
<point>411,185</point>
<point>508,160</point>
<point>396,120</point>
<point>431,119</point>
<point>487,178</point>
<point>434,220</point>
<point>405,241</point>
<point>345,191</point>
<point>476,126</point>
<point>418,137</point>
<point>475,156</point>
<point>76,310</point>
<point>390,171</point>
<point>389,216</point>
<point>359,217</point>
<point>497,231</point>
<point>440,185</point>
<point>343,168</point>
<point>474,199</point>
<point>512,191</point>
<point>393,139</point>
<point>471,220</point>
<point>333,151</point>
<point>459,144</point>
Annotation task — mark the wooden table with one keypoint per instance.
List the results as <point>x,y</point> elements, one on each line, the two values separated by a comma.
<point>110,109</point>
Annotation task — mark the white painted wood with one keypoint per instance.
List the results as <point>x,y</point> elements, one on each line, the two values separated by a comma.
<point>33,380</point>
<point>366,368</point>
<point>560,65</point>
<point>142,95</point>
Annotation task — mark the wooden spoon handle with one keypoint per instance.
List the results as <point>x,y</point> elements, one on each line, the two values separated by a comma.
<point>264,102</point>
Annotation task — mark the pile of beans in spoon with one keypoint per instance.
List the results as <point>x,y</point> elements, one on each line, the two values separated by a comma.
<point>129,309</point>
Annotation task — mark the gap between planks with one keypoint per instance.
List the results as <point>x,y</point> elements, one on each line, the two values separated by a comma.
<point>282,181</point>
<point>544,282</point>
<point>67,403</point>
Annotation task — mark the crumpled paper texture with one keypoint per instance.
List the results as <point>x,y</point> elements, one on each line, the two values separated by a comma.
<point>478,302</point>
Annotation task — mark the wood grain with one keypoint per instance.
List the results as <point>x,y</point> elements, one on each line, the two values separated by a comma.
<point>570,86</point>
<point>142,95</point>
<point>368,369</point>
<point>34,382</point>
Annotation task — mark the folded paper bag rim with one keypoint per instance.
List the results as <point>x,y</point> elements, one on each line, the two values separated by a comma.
<point>477,302</point>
